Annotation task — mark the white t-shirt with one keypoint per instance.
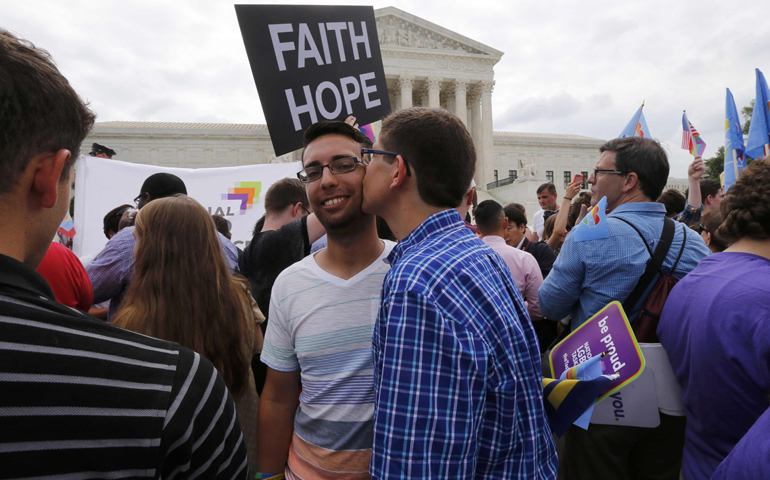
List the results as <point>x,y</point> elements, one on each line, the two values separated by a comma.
<point>538,222</point>
<point>323,325</point>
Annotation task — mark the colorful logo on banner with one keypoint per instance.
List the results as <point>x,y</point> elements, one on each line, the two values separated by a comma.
<point>246,192</point>
<point>607,331</point>
<point>594,224</point>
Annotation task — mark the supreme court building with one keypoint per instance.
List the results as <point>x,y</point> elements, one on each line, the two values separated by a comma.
<point>425,65</point>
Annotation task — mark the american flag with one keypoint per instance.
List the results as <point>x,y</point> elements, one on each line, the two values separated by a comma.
<point>691,138</point>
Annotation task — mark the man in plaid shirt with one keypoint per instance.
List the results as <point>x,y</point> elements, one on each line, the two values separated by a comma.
<point>458,392</point>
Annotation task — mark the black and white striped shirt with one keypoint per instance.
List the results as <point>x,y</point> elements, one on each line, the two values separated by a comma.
<point>81,399</point>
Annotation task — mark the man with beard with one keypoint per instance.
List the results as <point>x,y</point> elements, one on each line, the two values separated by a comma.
<point>322,314</point>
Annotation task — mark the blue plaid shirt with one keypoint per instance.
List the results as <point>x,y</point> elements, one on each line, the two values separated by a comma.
<point>589,275</point>
<point>458,392</point>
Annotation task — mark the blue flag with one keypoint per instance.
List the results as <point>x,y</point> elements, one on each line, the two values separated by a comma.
<point>570,399</point>
<point>594,224</point>
<point>735,152</point>
<point>637,126</point>
<point>759,131</point>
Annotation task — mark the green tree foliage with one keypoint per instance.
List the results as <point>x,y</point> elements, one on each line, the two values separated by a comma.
<point>716,164</point>
<point>746,112</point>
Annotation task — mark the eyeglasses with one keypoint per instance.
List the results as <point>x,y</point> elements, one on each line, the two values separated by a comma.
<point>597,172</point>
<point>305,209</point>
<point>338,166</point>
<point>368,155</point>
<point>139,197</point>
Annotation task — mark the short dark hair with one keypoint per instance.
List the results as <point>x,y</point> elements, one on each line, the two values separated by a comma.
<point>285,192</point>
<point>644,157</point>
<point>39,110</point>
<point>489,215</point>
<point>674,201</point>
<point>329,127</point>
<point>711,221</point>
<point>515,214</point>
<point>708,187</point>
<point>439,150</point>
<point>162,185</point>
<point>746,205</point>
<point>222,225</point>
<point>112,219</point>
<point>547,186</point>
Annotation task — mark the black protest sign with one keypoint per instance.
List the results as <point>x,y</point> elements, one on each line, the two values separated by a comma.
<point>313,63</point>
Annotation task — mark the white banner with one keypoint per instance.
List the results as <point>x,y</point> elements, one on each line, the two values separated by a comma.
<point>236,193</point>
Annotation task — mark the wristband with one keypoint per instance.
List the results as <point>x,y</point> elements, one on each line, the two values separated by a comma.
<point>567,198</point>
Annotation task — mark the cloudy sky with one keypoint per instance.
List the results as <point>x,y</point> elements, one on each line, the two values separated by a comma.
<point>578,67</point>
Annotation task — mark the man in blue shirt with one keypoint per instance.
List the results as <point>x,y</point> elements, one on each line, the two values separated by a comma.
<point>458,392</point>
<point>631,172</point>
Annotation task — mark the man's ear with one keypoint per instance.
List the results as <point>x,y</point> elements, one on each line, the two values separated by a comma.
<point>505,223</point>
<point>295,209</point>
<point>398,173</point>
<point>471,194</point>
<point>47,171</point>
<point>631,181</point>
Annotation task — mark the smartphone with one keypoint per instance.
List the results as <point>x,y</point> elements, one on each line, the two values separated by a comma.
<point>578,178</point>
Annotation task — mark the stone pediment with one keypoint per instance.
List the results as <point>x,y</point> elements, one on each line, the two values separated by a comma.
<point>399,29</point>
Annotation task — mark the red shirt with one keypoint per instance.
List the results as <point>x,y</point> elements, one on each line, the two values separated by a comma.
<point>67,277</point>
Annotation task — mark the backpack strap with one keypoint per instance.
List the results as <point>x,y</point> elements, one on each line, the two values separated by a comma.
<point>681,249</point>
<point>653,266</point>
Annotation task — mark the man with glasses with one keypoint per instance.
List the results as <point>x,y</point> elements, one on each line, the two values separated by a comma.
<point>112,270</point>
<point>631,172</point>
<point>322,313</point>
<point>458,392</point>
<point>282,237</point>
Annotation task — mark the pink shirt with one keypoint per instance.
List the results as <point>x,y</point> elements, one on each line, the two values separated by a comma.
<point>524,270</point>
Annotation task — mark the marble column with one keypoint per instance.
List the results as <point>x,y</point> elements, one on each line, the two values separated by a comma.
<point>434,92</point>
<point>487,139</point>
<point>476,132</point>
<point>405,85</point>
<point>424,96</point>
<point>461,107</point>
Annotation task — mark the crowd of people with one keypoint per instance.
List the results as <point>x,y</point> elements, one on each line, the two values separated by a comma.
<point>381,323</point>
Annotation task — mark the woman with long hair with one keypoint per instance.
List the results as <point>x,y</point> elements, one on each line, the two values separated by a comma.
<point>183,292</point>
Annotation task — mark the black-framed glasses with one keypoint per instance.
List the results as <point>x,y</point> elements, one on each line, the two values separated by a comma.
<point>597,172</point>
<point>139,197</point>
<point>305,209</point>
<point>337,166</point>
<point>368,155</point>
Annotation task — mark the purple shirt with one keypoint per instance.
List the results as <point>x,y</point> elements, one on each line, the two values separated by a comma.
<point>524,270</point>
<point>750,459</point>
<point>715,330</point>
<point>113,268</point>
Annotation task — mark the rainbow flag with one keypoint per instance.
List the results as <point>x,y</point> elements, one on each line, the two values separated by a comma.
<point>370,131</point>
<point>594,224</point>
<point>691,138</point>
<point>67,226</point>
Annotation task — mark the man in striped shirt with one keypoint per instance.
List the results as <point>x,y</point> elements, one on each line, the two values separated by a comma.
<point>322,313</point>
<point>458,392</point>
<point>80,398</point>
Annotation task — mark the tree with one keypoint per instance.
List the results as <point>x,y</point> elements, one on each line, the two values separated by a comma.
<point>746,112</point>
<point>716,164</point>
